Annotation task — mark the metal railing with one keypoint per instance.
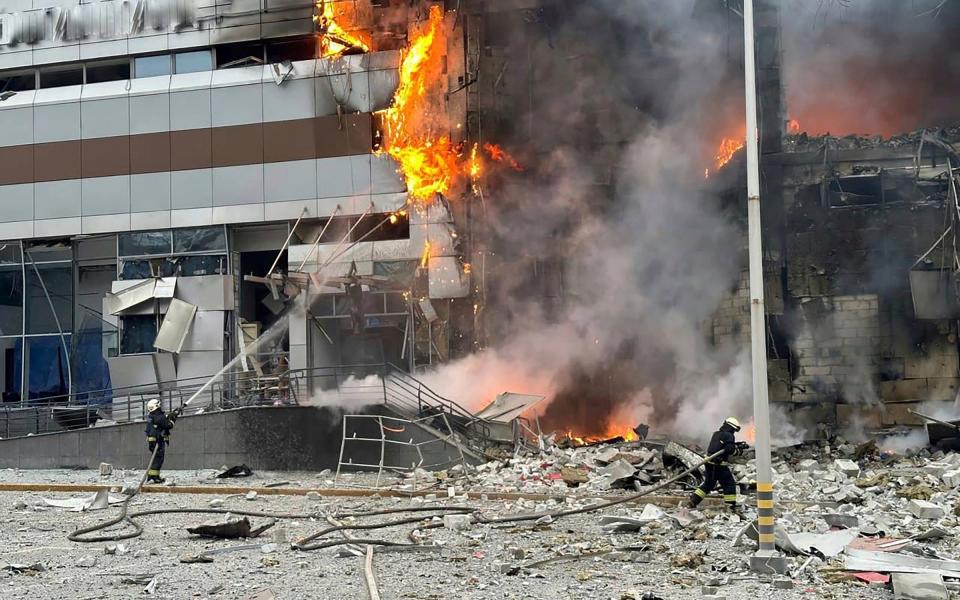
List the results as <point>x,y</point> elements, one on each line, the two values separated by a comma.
<point>352,384</point>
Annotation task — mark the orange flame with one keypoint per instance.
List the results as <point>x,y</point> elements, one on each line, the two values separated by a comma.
<point>430,162</point>
<point>425,258</point>
<point>728,148</point>
<point>334,39</point>
<point>793,126</point>
<point>749,433</point>
<point>500,155</point>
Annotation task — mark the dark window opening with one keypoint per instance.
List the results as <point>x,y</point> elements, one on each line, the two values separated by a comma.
<point>20,82</point>
<point>137,334</point>
<point>61,77</point>
<point>98,73</point>
<point>397,227</point>
<point>239,55</point>
<point>859,190</point>
<point>296,49</point>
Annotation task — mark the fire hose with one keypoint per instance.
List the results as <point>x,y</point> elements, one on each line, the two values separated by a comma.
<point>306,543</point>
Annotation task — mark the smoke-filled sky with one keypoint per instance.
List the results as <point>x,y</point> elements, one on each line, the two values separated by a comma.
<point>871,66</point>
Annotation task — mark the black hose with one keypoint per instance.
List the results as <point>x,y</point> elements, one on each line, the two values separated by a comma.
<point>304,544</point>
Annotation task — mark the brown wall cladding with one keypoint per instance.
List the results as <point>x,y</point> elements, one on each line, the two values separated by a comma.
<point>301,139</point>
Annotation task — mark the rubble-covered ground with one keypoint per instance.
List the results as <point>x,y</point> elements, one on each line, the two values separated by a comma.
<point>671,553</point>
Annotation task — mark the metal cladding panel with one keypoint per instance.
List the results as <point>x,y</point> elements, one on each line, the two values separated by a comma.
<point>292,99</point>
<point>207,332</point>
<point>237,105</point>
<point>238,185</point>
<point>105,195</point>
<point>150,192</point>
<point>104,118</point>
<point>150,113</point>
<point>334,177</point>
<point>208,292</point>
<point>16,203</point>
<point>56,122</point>
<point>16,126</point>
<point>176,325</point>
<point>199,364</point>
<point>446,280</point>
<point>190,109</point>
<point>136,372</point>
<point>54,199</point>
<point>191,189</point>
<point>294,180</point>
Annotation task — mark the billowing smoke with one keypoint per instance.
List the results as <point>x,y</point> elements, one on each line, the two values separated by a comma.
<point>871,66</point>
<point>616,133</point>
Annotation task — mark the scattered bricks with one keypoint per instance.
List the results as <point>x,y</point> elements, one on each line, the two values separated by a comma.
<point>809,465</point>
<point>951,478</point>
<point>783,584</point>
<point>847,467</point>
<point>106,469</point>
<point>923,509</point>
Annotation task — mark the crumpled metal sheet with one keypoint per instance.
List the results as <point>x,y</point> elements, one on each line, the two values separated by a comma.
<point>98,501</point>
<point>617,523</point>
<point>891,562</point>
<point>176,325</point>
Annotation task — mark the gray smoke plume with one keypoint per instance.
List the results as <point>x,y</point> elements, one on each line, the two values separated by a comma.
<point>626,93</point>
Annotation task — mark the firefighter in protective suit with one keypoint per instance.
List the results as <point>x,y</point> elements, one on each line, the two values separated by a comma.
<point>716,470</point>
<point>158,436</point>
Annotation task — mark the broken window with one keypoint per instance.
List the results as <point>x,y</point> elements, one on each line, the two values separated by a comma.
<point>137,333</point>
<point>18,82</point>
<point>108,71</point>
<point>856,190</point>
<point>144,243</point>
<point>204,239</point>
<point>241,54</point>
<point>295,49</point>
<point>203,265</point>
<point>397,228</point>
<point>49,284</point>
<point>46,363</point>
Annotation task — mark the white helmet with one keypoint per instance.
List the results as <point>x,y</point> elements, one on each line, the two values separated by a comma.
<point>153,405</point>
<point>732,422</point>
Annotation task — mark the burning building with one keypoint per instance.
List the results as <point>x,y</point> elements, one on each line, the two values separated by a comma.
<point>491,195</point>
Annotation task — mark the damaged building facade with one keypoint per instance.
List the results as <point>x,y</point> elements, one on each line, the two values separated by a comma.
<point>860,264</point>
<point>155,156</point>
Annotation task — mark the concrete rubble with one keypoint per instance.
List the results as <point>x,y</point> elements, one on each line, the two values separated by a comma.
<point>842,521</point>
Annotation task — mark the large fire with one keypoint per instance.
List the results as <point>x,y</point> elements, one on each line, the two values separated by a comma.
<point>726,151</point>
<point>334,38</point>
<point>415,127</point>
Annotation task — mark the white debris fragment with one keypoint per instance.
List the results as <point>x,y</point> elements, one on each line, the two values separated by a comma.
<point>925,510</point>
<point>251,495</point>
<point>457,522</point>
<point>847,467</point>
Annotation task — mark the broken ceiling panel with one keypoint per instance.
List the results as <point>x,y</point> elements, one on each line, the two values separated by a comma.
<point>165,288</point>
<point>175,326</point>
<point>130,297</point>
<point>933,294</point>
<point>446,279</point>
<point>508,406</point>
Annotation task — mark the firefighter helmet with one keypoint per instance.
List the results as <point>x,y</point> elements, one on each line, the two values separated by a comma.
<point>153,405</point>
<point>732,422</point>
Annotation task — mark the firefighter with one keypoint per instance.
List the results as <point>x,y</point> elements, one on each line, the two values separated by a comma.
<point>158,436</point>
<point>716,470</point>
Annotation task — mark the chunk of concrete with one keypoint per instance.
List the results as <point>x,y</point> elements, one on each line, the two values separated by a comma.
<point>847,467</point>
<point>457,522</point>
<point>951,478</point>
<point>925,510</point>
<point>809,465</point>
<point>106,469</point>
<point>937,469</point>
<point>919,586</point>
